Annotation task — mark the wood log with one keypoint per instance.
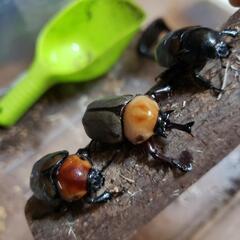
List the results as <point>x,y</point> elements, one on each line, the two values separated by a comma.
<point>150,186</point>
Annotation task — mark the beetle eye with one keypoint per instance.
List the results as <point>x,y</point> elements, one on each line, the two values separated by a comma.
<point>222,49</point>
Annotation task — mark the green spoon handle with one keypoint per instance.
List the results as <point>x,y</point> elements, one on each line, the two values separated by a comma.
<point>23,94</point>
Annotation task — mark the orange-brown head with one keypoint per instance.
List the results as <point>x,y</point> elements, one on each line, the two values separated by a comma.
<point>140,118</point>
<point>72,178</point>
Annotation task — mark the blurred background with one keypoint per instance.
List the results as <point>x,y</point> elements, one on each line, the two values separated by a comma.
<point>20,23</point>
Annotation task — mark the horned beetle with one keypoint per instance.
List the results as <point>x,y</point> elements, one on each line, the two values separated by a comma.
<point>60,177</point>
<point>183,52</point>
<point>134,119</point>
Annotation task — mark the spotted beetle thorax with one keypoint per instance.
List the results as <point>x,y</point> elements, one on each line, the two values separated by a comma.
<point>72,178</point>
<point>139,119</point>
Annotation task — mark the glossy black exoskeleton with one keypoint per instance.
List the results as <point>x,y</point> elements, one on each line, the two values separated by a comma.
<point>135,119</point>
<point>183,52</point>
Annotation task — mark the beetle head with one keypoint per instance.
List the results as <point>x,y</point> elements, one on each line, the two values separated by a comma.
<point>222,49</point>
<point>95,180</point>
<point>162,123</point>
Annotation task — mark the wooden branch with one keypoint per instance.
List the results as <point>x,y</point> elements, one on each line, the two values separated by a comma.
<point>149,186</point>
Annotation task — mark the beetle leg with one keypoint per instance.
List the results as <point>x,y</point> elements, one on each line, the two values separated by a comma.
<point>85,152</point>
<point>157,91</point>
<point>184,163</point>
<point>113,158</point>
<point>166,81</point>
<point>102,198</point>
<point>150,36</point>
<point>230,32</point>
<point>182,127</point>
<point>165,124</point>
<point>166,114</point>
<point>206,84</point>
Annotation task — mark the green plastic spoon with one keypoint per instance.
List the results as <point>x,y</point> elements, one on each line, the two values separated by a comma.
<point>81,43</point>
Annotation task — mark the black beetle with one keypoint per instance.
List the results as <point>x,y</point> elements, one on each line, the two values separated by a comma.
<point>184,51</point>
<point>59,177</point>
<point>135,119</point>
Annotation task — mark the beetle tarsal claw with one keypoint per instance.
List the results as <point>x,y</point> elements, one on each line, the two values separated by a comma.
<point>184,162</point>
<point>185,167</point>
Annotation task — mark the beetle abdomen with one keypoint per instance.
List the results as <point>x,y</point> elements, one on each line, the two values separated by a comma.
<point>103,126</point>
<point>41,180</point>
<point>102,119</point>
